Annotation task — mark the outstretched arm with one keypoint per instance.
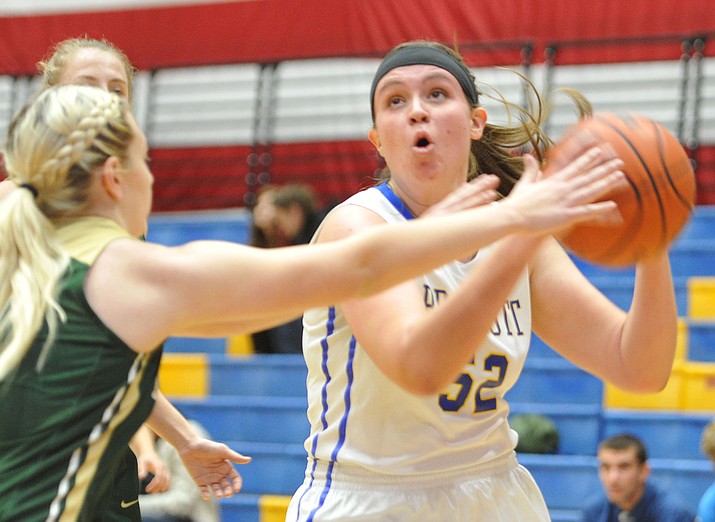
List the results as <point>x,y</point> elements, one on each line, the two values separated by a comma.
<point>209,463</point>
<point>193,288</point>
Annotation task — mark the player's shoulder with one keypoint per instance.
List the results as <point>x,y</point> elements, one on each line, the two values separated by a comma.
<point>357,213</point>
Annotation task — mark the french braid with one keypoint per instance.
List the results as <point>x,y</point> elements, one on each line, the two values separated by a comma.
<point>54,146</point>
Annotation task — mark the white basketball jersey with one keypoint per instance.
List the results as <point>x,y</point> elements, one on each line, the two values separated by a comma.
<point>360,418</point>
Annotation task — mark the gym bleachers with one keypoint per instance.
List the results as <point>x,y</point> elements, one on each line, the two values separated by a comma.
<point>257,403</point>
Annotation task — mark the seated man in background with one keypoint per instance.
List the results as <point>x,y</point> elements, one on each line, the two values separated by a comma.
<point>629,496</point>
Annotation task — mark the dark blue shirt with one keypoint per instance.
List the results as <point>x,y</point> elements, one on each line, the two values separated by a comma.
<point>654,506</point>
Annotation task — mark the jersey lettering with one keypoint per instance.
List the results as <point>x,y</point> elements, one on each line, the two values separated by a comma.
<point>507,322</point>
<point>432,296</point>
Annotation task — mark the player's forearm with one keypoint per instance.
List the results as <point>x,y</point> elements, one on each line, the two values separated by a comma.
<point>167,422</point>
<point>650,331</point>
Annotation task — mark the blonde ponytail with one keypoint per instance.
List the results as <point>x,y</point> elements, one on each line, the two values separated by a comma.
<point>54,146</point>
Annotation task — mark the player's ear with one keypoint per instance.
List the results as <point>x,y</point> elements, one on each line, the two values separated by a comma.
<point>479,120</point>
<point>111,181</point>
<point>374,138</point>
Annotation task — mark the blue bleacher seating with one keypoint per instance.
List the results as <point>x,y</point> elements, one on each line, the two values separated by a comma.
<point>565,515</point>
<point>195,345</point>
<point>251,419</point>
<point>701,341</point>
<point>693,257</point>
<point>275,468</point>
<point>272,375</point>
<point>670,435</point>
<point>564,480</point>
<point>619,289</point>
<point>686,478</point>
<point>702,224</point>
<point>178,228</point>
<point>555,380</point>
<point>243,507</point>
<point>579,425</point>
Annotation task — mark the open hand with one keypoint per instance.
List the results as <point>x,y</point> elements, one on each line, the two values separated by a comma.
<point>573,194</point>
<point>210,464</point>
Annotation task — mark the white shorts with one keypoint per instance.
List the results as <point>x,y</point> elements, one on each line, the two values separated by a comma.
<point>501,491</point>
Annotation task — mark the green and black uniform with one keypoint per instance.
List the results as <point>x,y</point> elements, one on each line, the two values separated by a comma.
<point>65,428</point>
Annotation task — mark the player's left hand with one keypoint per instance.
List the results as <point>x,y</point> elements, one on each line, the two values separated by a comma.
<point>210,464</point>
<point>475,193</point>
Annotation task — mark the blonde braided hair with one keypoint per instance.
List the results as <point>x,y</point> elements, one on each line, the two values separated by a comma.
<point>54,145</point>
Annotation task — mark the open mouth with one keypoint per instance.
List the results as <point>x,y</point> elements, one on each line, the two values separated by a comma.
<point>422,142</point>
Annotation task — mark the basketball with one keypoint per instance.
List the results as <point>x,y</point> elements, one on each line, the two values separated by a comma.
<point>656,201</point>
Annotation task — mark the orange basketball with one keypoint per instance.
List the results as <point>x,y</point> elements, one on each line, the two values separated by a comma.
<point>655,203</point>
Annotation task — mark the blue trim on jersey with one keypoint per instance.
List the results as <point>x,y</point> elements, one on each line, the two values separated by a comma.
<point>394,199</point>
<point>343,421</point>
<point>330,328</point>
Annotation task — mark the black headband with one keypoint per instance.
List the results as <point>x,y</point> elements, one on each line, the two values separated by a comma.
<point>424,55</point>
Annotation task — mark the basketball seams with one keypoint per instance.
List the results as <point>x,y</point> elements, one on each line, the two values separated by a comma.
<point>666,170</point>
<point>646,168</point>
<point>656,200</point>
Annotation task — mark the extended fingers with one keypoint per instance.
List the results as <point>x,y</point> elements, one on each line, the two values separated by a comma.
<point>223,489</point>
<point>598,181</point>
<point>228,485</point>
<point>590,159</point>
<point>604,213</point>
<point>475,193</point>
<point>479,190</point>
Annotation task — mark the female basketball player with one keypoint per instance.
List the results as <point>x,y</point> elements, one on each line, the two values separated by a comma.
<point>406,387</point>
<point>86,303</point>
<point>88,61</point>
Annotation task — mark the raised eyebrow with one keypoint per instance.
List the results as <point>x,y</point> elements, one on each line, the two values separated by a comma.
<point>388,84</point>
<point>439,74</point>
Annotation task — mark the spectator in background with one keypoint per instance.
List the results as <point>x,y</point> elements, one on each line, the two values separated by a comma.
<point>282,216</point>
<point>706,507</point>
<point>629,496</point>
<point>182,502</point>
<point>264,233</point>
<point>296,213</point>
